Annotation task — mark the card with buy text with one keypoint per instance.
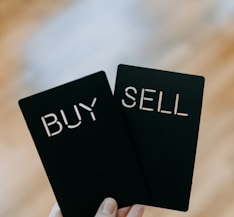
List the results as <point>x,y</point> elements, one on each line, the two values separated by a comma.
<point>84,146</point>
<point>161,111</point>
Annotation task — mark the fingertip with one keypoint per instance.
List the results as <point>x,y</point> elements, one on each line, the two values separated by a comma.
<point>108,208</point>
<point>137,210</point>
<point>55,211</point>
<point>122,212</point>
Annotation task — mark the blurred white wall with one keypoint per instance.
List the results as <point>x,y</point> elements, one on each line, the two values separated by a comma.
<point>93,35</point>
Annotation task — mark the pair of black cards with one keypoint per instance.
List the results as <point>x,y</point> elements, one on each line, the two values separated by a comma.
<point>137,146</point>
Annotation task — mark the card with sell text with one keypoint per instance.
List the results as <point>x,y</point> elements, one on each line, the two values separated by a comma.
<point>161,111</point>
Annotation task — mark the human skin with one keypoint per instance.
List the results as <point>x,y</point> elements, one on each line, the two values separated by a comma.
<point>108,208</point>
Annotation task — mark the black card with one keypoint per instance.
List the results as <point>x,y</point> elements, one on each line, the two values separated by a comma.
<point>161,111</point>
<point>83,145</point>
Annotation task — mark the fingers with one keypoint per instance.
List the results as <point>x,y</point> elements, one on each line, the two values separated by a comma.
<point>123,211</point>
<point>108,208</point>
<point>55,212</point>
<point>136,211</point>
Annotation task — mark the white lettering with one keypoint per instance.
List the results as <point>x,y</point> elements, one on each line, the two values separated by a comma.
<point>143,98</point>
<point>176,107</point>
<point>65,118</point>
<point>89,108</point>
<point>130,97</point>
<point>54,121</point>
<point>146,96</point>
<point>160,104</point>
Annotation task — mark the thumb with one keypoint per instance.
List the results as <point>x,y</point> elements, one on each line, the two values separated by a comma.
<point>108,208</point>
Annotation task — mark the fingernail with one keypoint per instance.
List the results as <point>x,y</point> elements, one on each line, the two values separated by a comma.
<point>108,206</point>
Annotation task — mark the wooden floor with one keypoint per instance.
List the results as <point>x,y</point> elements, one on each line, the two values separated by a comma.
<point>195,37</point>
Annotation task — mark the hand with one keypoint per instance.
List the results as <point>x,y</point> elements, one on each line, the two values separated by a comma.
<point>108,208</point>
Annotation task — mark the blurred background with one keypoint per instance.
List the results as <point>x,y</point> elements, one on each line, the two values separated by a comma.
<point>44,43</point>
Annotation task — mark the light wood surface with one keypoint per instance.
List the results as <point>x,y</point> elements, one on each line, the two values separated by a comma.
<point>195,37</point>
